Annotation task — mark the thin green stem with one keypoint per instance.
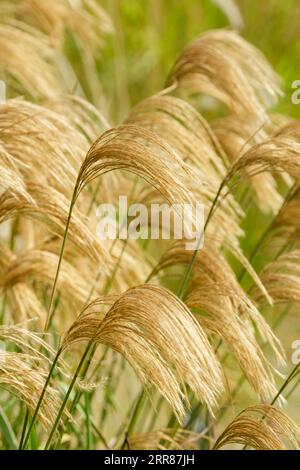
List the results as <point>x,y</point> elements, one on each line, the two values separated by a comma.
<point>83,375</point>
<point>87,411</point>
<point>134,417</point>
<point>94,197</point>
<point>266,232</point>
<point>61,254</point>
<point>292,389</point>
<point>184,284</point>
<point>291,376</point>
<point>35,414</point>
<point>24,428</point>
<point>61,410</point>
<point>51,313</point>
<point>88,352</point>
<point>285,383</point>
<point>79,393</point>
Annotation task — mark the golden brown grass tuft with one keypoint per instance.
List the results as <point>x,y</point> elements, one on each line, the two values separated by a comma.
<point>223,65</point>
<point>263,427</point>
<point>159,337</point>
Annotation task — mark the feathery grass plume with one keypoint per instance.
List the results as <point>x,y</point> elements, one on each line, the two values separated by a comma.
<point>237,134</point>
<point>277,154</point>
<point>24,53</point>
<point>22,300</point>
<point>10,176</point>
<point>185,129</point>
<point>86,19</point>
<point>159,337</point>
<point>177,254</point>
<point>226,309</point>
<point>44,145</point>
<point>131,266</point>
<point>39,267</point>
<point>287,219</point>
<point>286,127</point>
<point>263,427</point>
<point>141,152</point>
<point>28,341</point>
<point>237,253</point>
<point>282,279</point>
<point>74,32</point>
<point>137,151</point>
<point>51,208</point>
<point>290,129</point>
<point>34,134</point>
<point>221,317</point>
<point>24,304</point>
<point>78,259</point>
<point>164,439</point>
<point>226,219</point>
<point>223,65</point>
<point>141,337</point>
<point>86,119</point>
<point>189,135</point>
<point>24,376</point>
<point>80,114</point>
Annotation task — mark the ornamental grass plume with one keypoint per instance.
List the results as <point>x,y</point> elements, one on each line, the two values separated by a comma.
<point>33,134</point>
<point>223,308</point>
<point>50,208</point>
<point>223,65</point>
<point>138,151</point>
<point>142,344</point>
<point>277,155</point>
<point>24,53</point>
<point>282,278</point>
<point>190,137</point>
<point>159,337</point>
<point>237,134</point>
<point>23,375</point>
<point>163,439</point>
<point>41,266</point>
<point>87,20</point>
<point>262,427</point>
<point>11,178</point>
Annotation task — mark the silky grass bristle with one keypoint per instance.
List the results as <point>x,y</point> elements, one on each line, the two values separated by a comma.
<point>158,336</point>
<point>262,427</point>
<point>113,342</point>
<point>221,64</point>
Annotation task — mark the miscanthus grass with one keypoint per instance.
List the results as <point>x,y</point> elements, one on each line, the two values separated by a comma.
<point>129,344</point>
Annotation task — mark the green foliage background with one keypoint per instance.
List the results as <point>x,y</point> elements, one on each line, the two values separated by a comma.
<point>151,33</point>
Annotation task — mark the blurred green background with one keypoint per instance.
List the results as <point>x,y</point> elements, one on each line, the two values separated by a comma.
<point>151,33</point>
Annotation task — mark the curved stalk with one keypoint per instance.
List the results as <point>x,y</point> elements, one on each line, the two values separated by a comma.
<point>291,376</point>
<point>184,284</point>
<point>61,254</point>
<point>61,410</point>
<point>53,365</point>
